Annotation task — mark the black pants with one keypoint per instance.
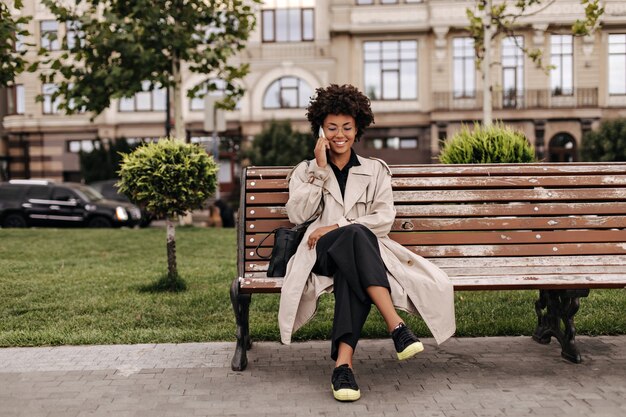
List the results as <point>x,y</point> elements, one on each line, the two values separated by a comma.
<point>351,256</point>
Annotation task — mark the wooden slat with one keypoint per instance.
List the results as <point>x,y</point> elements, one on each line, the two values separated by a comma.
<point>503,270</point>
<point>499,238</point>
<point>472,182</point>
<point>589,194</point>
<point>455,224</point>
<point>516,209</point>
<point>510,237</point>
<point>520,250</point>
<point>594,168</point>
<point>433,196</point>
<point>519,261</point>
<point>475,210</point>
<point>258,283</point>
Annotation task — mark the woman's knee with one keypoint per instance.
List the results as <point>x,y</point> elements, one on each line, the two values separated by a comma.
<point>359,229</point>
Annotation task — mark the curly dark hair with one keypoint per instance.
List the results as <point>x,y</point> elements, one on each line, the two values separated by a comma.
<point>345,99</point>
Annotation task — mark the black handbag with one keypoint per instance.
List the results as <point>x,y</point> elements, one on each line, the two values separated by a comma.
<point>286,241</point>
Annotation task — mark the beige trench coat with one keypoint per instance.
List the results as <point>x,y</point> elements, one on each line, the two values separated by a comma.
<point>417,286</point>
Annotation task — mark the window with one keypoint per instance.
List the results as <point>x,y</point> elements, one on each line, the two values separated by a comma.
<point>392,143</point>
<point>562,58</point>
<point>16,100</point>
<point>197,103</point>
<point>20,45</point>
<point>287,93</point>
<point>369,2</point>
<point>390,70</point>
<point>146,100</point>
<point>562,148</point>
<point>85,145</point>
<point>49,35</point>
<point>464,67</point>
<point>136,141</point>
<point>50,106</point>
<point>401,138</point>
<point>617,64</point>
<point>73,33</point>
<point>512,71</point>
<point>288,21</point>
<point>38,192</point>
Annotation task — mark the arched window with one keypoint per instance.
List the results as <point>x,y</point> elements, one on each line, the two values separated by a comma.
<point>562,148</point>
<point>287,93</point>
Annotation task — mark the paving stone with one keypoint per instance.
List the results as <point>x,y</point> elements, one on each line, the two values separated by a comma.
<point>483,377</point>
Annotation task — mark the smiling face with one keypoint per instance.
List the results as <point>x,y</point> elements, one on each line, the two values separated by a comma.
<point>340,130</point>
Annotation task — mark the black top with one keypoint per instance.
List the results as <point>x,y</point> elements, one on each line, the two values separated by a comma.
<point>342,174</point>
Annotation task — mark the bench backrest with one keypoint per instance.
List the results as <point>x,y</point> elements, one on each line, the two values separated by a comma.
<point>496,214</point>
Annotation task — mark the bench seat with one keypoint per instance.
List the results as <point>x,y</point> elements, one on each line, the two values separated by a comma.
<point>557,228</point>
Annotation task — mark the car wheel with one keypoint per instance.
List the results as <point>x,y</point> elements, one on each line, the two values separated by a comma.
<point>14,220</point>
<point>100,221</point>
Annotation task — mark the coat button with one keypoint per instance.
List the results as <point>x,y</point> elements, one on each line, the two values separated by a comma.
<point>409,262</point>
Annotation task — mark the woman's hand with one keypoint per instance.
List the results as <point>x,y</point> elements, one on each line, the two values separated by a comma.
<point>318,233</point>
<point>320,151</point>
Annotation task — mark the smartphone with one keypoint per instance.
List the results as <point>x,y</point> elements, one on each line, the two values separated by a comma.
<point>321,133</point>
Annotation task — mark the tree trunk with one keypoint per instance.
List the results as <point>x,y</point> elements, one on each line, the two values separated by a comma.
<point>487,88</point>
<point>179,126</point>
<point>172,271</point>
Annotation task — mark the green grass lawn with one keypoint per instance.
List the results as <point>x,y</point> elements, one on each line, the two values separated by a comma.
<point>81,286</point>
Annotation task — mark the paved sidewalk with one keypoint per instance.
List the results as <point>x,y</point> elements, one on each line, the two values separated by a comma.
<point>496,376</point>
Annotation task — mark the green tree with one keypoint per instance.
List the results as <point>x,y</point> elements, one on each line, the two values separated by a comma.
<point>488,20</point>
<point>608,144</point>
<point>168,179</point>
<point>12,61</point>
<point>278,145</point>
<point>119,44</point>
<point>492,144</point>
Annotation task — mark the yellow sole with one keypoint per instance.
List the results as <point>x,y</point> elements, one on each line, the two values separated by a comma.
<point>411,351</point>
<point>346,394</point>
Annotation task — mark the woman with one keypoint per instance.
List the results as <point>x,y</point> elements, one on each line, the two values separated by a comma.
<point>347,250</point>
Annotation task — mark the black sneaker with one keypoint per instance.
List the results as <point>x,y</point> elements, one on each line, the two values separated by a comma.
<point>344,385</point>
<point>407,344</point>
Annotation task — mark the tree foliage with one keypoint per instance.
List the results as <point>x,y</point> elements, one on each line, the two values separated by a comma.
<point>505,15</point>
<point>121,43</point>
<point>495,143</point>
<point>278,145</point>
<point>608,144</point>
<point>12,62</point>
<point>168,177</point>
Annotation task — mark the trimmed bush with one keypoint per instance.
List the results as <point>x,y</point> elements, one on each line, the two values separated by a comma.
<point>493,144</point>
<point>608,144</point>
<point>168,178</point>
<point>279,144</point>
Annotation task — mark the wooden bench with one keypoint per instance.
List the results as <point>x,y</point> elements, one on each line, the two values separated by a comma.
<point>558,228</point>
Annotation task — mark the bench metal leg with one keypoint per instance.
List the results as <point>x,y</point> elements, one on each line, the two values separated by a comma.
<point>241,306</point>
<point>561,306</point>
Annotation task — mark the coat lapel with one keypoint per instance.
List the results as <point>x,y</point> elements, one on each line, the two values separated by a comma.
<point>359,178</point>
<point>334,190</point>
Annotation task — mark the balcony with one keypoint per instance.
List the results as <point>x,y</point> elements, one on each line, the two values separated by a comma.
<point>518,100</point>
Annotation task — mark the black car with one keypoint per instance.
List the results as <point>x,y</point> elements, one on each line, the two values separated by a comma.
<point>45,203</point>
<point>110,191</point>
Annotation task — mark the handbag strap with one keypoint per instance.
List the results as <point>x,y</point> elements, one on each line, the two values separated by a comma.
<point>273,232</point>
<point>296,228</point>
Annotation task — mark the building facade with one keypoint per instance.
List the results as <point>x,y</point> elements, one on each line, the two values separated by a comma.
<point>413,58</point>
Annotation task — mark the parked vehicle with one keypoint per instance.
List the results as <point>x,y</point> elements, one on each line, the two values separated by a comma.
<point>46,203</point>
<point>108,189</point>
